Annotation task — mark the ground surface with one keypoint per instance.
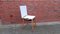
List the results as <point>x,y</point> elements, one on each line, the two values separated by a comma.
<point>44,29</point>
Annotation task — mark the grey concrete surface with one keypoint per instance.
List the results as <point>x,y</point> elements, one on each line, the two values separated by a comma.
<point>44,29</point>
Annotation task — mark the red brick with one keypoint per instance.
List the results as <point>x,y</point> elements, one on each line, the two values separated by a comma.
<point>44,10</point>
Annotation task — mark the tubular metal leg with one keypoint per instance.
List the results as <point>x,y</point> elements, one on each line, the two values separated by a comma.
<point>23,22</point>
<point>33,24</point>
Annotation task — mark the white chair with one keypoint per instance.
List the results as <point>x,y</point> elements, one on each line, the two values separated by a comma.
<point>24,15</point>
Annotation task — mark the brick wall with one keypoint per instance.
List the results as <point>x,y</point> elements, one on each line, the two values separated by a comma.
<point>44,10</point>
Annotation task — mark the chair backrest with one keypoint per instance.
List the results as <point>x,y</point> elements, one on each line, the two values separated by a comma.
<point>23,10</point>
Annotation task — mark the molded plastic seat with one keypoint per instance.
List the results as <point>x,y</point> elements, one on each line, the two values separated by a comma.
<point>29,17</point>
